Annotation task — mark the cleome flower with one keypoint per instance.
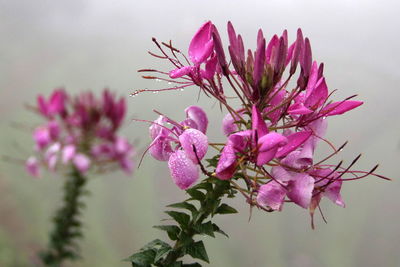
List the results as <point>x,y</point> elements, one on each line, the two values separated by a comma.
<point>271,137</point>
<point>183,146</point>
<point>80,131</point>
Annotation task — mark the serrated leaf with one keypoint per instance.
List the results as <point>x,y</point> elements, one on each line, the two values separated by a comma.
<point>218,230</point>
<point>196,194</point>
<point>142,259</point>
<point>172,230</point>
<point>205,228</point>
<point>225,209</point>
<point>197,251</point>
<point>180,217</point>
<point>183,205</point>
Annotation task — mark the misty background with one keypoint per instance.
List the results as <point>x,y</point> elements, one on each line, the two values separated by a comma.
<point>94,44</point>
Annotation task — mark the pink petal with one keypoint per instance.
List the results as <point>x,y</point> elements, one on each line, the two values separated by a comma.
<point>259,60</point>
<point>183,171</point>
<point>68,153</point>
<point>275,101</point>
<point>32,166</point>
<point>199,116</point>
<point>318,95</point>
<point>240,140</point>
<point>333,193</point>
<point>42,137</point>
<point>211,67</point>
<point>312,80</point>
<point>228,124</point>
<point>201,45</point>
<point>257,122</point>
<point>271,195</point>
<point>272,45</point>
<point>294,141</point>
<point>57,102</point>
<point>157,129</point>
<point>338,108</point>
<point>193,137</point>
<point>268,146</point>
<point>177,73</point>
<point>54,129</point>
<point>300,189</point>
<point>271,140</point>
<point>227,163</point>
<point>281,174</point>
<point>298,109</point>
<point>81,162</point>
<point>160,149</point>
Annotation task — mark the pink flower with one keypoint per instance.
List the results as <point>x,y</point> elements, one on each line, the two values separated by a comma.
<point>32,166</point>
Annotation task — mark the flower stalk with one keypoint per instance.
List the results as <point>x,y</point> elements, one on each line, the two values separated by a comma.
<point>67,224</point>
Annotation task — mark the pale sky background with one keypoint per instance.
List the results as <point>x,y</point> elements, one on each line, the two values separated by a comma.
<point>95,44</point>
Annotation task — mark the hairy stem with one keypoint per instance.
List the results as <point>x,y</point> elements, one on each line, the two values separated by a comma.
<point>67,226</point>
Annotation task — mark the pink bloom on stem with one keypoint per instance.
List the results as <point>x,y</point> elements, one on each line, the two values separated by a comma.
<point>68,153</point>
<point>55,105</point>
<point>271,195</point>
<point>184,171</point>
<point>198,115</point>
<point>193,137</point>
<point>201,46</point>
<point>81,162</point>
<point>32,166</point>
<point>42,137</point>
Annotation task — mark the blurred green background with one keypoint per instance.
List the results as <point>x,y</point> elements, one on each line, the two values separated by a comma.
<point>95,44</point>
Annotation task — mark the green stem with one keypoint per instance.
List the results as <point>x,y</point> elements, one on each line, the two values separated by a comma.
<point>62,243</point>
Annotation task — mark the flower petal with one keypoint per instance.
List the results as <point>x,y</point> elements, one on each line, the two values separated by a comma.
<point>227,162</point>
<point>32,166</point>
<point>340,107</point>
<point>300,189</point>
<point>177,73</point>
<point>294,141</point>
<point>258,124</point>
<point>201,45</point>
<point>199,116</point>
<point>68,153</point>
<point>183,171</point>
<point>81,162</point>
<point>193,137</point>
<point>272,195</point>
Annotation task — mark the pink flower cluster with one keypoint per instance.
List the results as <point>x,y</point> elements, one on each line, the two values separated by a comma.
<point>183,146</point>
<point>80,131</point>
<point>272,136</point>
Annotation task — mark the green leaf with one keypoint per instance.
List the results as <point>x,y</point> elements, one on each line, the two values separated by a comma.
<point>218,230</point>
<point>182,218</point>
<point>205,228</point>
<point>204,185</point>
<point>192,265</point>
<point>161,252</point>
<point>196,194</point>
<point>172,230</point>
<point>183,205</point>
<point>154,243</point>
<point>176,264</point>
<point>142,259</point>
<point>225,209</point>
<point>197,251</point>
